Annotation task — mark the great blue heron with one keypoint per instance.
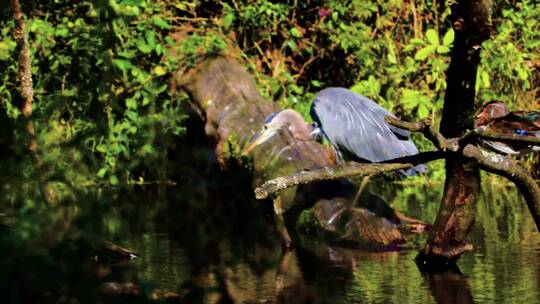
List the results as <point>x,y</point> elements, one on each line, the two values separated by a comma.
<point>496,117</point>
<point>289,119</point>
<point>353,124</point>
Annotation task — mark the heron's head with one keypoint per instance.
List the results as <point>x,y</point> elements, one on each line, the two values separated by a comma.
<point>491,110</point>
<point>289,119</point>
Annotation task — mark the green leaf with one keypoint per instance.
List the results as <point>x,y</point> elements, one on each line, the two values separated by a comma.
<point>133,2</point>
<point>160,22</point>
<point>122,64</point>
<point>151,38</point>
<point>101,173</point>
<point>228,20</point>
<point>295,32</point>
<point>432,37</point>
<point>6,47</point>
<point>61,32</point>
<point>443,49</point>
<point>159,71</point>
<point>292,45</point>
<point>425,52</point>
<point>144,48</point>
<point>486,83</point>
<point>423,111</point>
<point>417,41</point>
<point>132,115</point>
<point>391,57</point>
<point>113,180</point>
<point>131,103</point>
<point>448,38</point>
<point>315,83</point>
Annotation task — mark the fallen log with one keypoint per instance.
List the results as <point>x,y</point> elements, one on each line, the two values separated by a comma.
<point>226,97</point>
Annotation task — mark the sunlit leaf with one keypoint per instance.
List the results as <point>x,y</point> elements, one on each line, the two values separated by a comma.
<point>159,70</point>
<point>425,52</point>
<point>151,38</point>
<point>145,48</point>
<point>295,32</point>
<point>443,49</point>
<point>432,37</point>
<point>228,20</point>
<point>423,111</point>
<point>161,22</point>
<point>122,64</point>
<point>448,38</point>
<point>101,173</point>
<point>113,180</point>
<point>417,41</point>
<point>131,103</point>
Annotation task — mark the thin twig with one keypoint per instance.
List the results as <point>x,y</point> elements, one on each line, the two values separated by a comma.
<point>514,138</point>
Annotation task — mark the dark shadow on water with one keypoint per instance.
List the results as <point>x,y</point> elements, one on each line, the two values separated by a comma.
<point>449,286</point>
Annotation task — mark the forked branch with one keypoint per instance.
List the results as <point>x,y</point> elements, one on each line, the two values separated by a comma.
<point>491,162</point>
<point>461,146</point>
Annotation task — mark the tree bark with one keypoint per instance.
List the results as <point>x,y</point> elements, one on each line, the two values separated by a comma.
<point>27,93</point>
<point>448,238</point>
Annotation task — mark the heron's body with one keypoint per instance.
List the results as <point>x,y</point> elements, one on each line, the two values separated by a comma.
<point>355,126</point>
<point>495,117</point>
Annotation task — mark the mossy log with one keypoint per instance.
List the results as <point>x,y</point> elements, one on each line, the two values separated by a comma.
<point>226,97</point>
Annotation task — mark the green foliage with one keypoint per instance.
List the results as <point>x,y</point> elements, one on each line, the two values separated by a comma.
<point>102,101</point>
<point>395,52</point>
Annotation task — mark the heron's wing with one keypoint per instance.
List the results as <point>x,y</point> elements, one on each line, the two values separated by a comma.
<point>355,124</point>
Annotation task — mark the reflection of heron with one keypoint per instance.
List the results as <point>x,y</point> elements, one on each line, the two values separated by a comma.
<point>353,124</point>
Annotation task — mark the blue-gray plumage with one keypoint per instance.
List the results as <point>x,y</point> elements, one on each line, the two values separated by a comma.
<point>355,126</point>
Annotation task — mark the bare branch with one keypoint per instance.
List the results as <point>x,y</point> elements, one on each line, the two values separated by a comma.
<point>420,158</point>
<point>424,127</point>
<point>326,173</point>
<point>505,166</point>
<point>487,161</point>
<point>514,138</point>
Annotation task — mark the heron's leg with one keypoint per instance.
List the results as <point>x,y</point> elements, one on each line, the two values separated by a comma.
<point>280,223</point>
<point>363,184</point>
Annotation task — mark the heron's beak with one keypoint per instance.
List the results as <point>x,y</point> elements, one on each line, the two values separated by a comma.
<point>259,138</point>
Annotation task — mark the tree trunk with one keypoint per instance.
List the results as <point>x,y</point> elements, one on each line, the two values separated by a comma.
<point>27,92</point>
<point>447,240</point>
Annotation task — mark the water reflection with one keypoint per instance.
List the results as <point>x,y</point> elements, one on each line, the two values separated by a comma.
<point>233,254</point>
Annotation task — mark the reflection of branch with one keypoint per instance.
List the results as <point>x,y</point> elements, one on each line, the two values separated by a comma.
<point>327,173</point>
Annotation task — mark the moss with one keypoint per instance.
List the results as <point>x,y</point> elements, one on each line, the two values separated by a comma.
<point>307,223</point>
<point>232,148</point>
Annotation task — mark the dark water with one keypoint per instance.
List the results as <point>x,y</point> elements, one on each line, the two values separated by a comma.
<point>214,247</point>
